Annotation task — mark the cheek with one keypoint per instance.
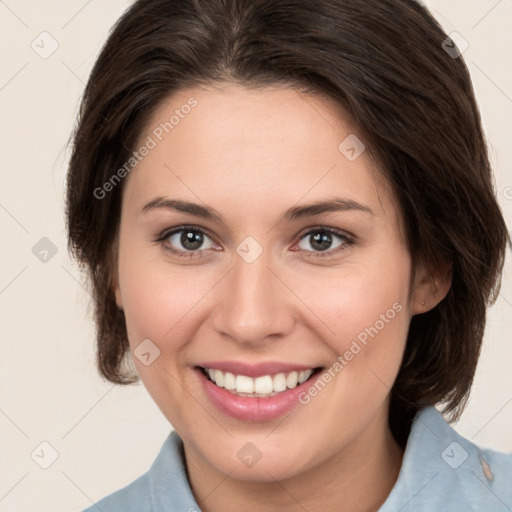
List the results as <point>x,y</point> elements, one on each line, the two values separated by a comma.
<point>152,300</point>
<point>365,311</point>
<point>363,298</point>
<point>156,303</point>
<point>160,305</point>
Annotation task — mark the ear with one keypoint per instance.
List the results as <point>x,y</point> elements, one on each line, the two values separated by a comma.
<point>430,287</point>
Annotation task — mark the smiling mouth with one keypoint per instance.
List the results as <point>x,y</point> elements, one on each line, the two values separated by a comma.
<point>259,387</point>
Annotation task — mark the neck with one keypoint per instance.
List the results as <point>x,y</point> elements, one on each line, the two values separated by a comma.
<point>359,479</point>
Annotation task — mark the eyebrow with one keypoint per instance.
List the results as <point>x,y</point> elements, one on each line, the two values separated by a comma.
<point>335,204</point>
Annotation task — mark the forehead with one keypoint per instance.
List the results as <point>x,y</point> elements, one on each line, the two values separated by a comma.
<point>231,145</point>
<point>263,121</point>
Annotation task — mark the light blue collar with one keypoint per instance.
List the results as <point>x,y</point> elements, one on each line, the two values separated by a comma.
<point>443,471</point>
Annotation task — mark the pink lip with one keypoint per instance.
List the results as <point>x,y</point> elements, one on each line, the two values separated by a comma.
<point>254,409</point>
<point>255,370</point>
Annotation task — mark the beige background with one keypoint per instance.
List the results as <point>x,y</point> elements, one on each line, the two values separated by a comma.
<point>106,436</point>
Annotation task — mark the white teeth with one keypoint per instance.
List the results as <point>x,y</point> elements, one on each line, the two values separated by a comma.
<point>243,384</point>
<point>263,384</point>
<point>279,382</point>
<point>304,376</point>
<point>219,378</point>
<point>266,385</point>
<point>229,381</point>
<point>291,380</point>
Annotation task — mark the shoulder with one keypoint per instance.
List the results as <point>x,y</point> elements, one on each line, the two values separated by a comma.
<point>164,486</point>
<point>442,470</point>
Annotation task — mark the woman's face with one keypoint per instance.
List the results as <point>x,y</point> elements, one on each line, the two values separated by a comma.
<point>267,288</point>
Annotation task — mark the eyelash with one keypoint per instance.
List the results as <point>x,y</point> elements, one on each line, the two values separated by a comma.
<point>347,241</point>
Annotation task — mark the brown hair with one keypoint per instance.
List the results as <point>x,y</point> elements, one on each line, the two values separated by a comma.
<point>383,61</point>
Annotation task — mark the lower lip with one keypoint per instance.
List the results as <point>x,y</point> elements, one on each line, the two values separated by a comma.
<point>253,408</point>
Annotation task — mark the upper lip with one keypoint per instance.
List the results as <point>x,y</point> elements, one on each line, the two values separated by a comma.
<point>255,369</point>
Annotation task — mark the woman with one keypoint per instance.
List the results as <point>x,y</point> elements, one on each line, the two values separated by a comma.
<point>284,209</point>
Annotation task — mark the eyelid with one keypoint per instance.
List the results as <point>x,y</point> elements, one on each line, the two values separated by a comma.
<point>166,233</point>
<point>336,231</point>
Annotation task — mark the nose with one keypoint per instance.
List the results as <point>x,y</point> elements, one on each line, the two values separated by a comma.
<point>253,304</point>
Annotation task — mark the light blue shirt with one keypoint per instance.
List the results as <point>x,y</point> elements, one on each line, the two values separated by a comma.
<point>441,471</point>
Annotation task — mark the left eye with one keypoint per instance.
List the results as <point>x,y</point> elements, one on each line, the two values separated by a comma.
<point>321,239</point>
<point>190,239</point>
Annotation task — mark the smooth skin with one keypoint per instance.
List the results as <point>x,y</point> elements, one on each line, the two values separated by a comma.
<point>251,154</point>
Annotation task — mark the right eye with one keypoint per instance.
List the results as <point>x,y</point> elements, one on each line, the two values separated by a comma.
<point>191,239</point>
